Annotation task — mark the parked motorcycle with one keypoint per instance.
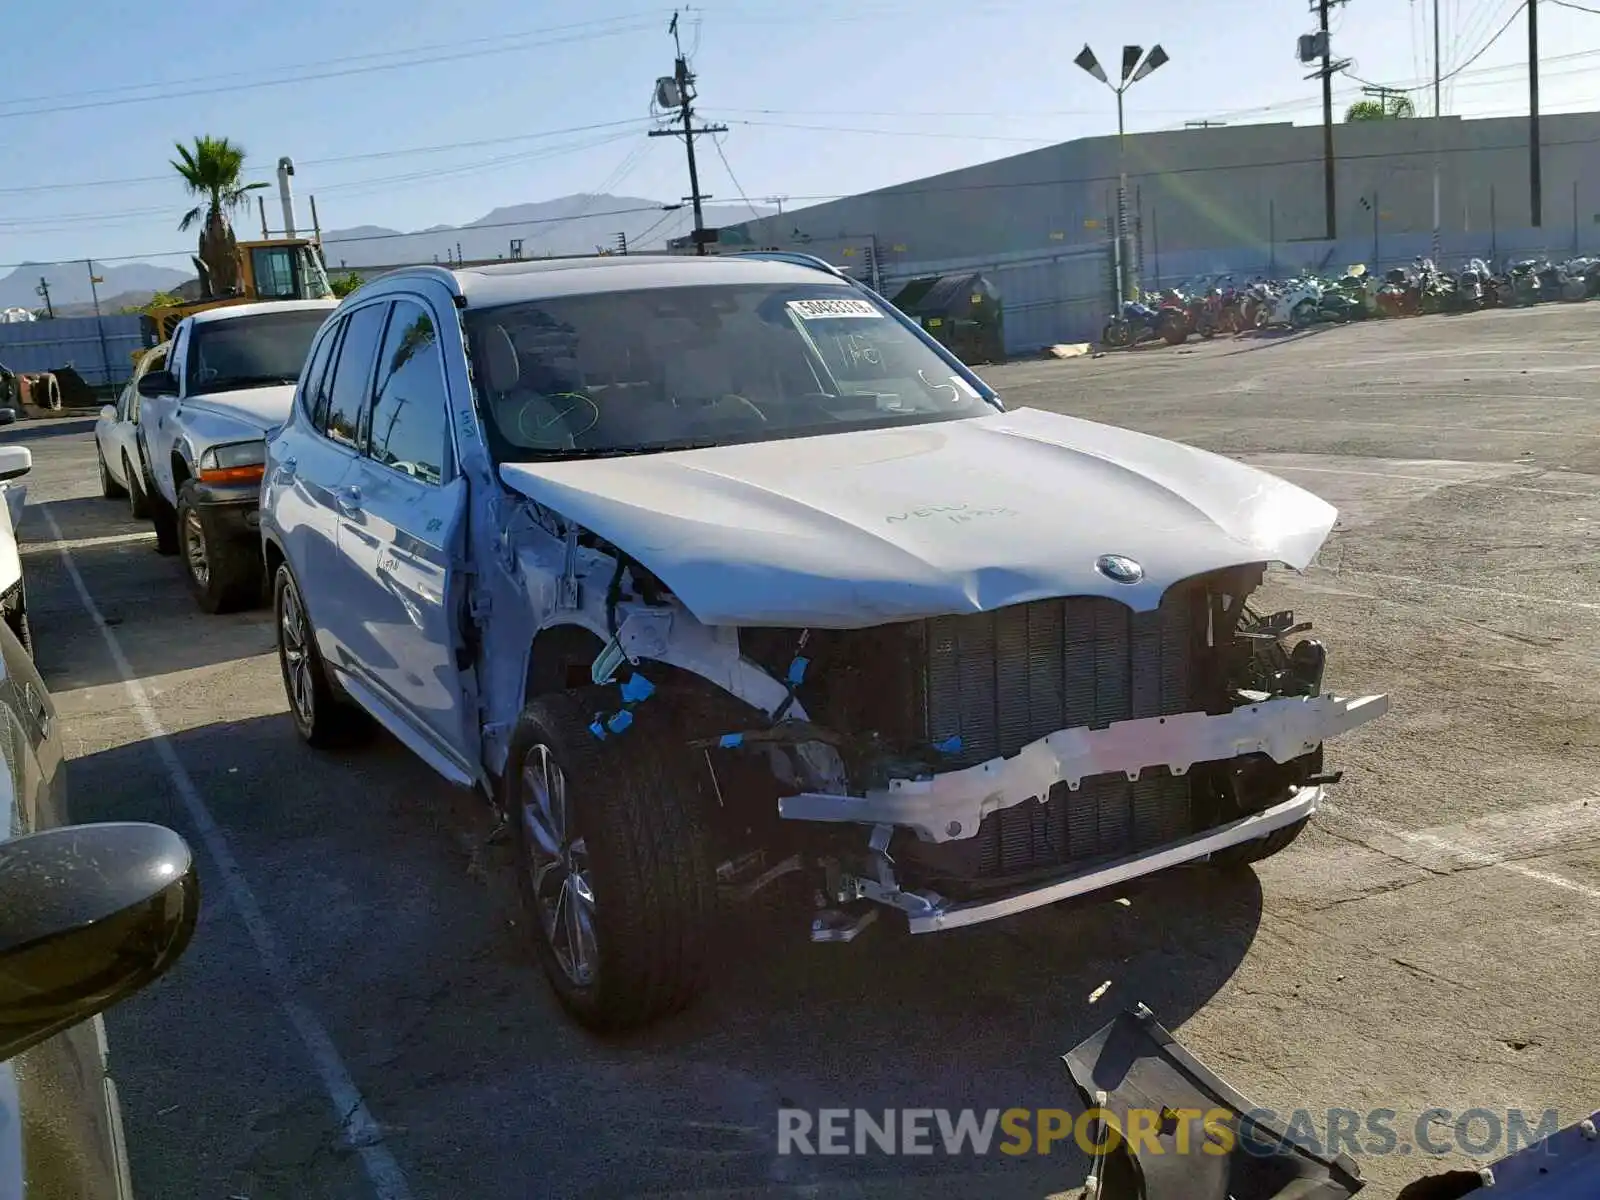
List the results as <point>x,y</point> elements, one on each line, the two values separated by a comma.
<point>1138,322</point>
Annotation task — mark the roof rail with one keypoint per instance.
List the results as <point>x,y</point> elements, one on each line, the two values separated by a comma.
<point>791,256</point>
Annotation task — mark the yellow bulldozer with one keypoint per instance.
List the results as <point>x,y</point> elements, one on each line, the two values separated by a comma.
<point>288,268</point>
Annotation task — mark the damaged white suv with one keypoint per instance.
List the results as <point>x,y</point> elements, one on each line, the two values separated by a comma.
<point>714,570</point>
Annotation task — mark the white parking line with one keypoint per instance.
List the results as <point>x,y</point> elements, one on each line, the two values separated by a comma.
<point>362,1131</point>
<point>1484,843</point>
<point>111,539</point>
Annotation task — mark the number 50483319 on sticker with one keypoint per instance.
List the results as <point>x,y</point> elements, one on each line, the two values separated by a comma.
<point>820,310</point>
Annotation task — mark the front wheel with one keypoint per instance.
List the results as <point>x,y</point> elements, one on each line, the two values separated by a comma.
<point>16,616</point>
<point>138,501</point>
<point>1116,334</point>
<point>224,572</point>
<point>613,861</point>
<point>322,717</point>
<point>1174,331</point>
<point>109,487</point>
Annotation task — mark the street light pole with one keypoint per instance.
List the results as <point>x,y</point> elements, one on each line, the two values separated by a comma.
<point>1136,64</point>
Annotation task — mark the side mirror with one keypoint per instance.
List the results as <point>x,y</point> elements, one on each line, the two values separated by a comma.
<point>15,462</point>
<point>108,412</point>
<point>8,416</point>
<point>157,383</point>
<point>89,914</point>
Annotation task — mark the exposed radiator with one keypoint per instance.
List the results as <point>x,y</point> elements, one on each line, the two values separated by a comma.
<point>1002,679</point>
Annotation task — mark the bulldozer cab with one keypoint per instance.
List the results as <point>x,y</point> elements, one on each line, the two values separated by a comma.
<point>286,269</point>
<point>276,269</point>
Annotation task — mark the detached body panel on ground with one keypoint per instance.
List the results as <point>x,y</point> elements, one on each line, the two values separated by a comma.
<point>714,571</point>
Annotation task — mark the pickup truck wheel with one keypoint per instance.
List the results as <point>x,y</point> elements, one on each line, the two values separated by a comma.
<point>224,572</point>
<point>322,717</point>
<point>138,502</point>
<point>1261,849</point>
<point>613,862</point>
<point>109,487</point>
<point>165,520</point>
<point>16,616</point>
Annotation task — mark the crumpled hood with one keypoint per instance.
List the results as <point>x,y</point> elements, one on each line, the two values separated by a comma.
<point>856,529</point>
<point>263,408</point>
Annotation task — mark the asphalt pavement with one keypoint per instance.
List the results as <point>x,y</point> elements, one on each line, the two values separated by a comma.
<point>359,1017</point>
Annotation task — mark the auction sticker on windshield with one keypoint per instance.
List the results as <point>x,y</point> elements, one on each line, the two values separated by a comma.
<point>820,310</point>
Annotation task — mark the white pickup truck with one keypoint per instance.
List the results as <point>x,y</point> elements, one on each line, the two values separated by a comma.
<point>230,379</point>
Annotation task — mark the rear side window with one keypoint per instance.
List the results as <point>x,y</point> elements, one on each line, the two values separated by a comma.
<point>313,389</point>
<point>352,373</point>
<point>408,427</point>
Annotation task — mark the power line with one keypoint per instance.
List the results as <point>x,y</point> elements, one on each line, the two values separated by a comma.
<point>498,39</point>
<point>45,223</point>
<point>286,80</point>
<point>440,148</point>
<point>732,178</point>
<point>1515,13</point>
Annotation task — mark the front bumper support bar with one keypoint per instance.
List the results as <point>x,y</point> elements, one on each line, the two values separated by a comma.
<point>953,804</point>
<point>927,912</point>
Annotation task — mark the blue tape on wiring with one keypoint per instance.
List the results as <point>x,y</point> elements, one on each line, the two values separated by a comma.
<point>797,671</point>
<point>637,689</point>
<point>598,730</point>
<point>620,722</point>
<point>730,740</point>
<point>950,745</point>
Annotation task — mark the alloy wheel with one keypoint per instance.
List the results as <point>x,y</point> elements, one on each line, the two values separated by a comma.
<point>558,867</point>
<point>294,640</point>
<point>194,548</point>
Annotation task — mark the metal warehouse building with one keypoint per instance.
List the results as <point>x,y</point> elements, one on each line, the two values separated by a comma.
<point>1246,200</point>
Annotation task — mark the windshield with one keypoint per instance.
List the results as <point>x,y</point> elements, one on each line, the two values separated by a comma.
<point>253,351</point>
<point>664,368</point>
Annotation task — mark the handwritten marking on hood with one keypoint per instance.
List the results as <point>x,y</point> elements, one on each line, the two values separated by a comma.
<point>955,514</point>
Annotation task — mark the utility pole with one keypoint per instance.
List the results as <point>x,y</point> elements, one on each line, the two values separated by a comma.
<point>1535,182</point>
<point>1386,97</point>
<point>677,91</point>
<point>622,243</point>
<point>99,325</point>
<point>1438,130</point>
<point>1320,45</point>
<point>1203,124</point>
<point>44,290</point>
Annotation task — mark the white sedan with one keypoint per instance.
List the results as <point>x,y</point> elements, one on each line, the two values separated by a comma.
<point>116,438</point>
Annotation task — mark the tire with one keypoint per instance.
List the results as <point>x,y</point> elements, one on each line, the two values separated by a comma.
<point>138,502</point>
<point>322,717</point>
<point>1262,848</point>
<point>224,573</point>
<point>1173,331</point>
<point>636,844</point>
<point>109,487</point>
<point>1116,334</point>
<point>16,616</point>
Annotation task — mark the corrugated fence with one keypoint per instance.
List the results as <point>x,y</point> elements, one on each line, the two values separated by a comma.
<point>98,348</point>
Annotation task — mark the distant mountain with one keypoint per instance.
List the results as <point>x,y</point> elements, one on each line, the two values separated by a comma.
<point>69,284</point>
<point>570,225</point>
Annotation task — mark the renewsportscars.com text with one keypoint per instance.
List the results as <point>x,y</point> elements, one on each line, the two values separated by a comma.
<point>1019,1131</point>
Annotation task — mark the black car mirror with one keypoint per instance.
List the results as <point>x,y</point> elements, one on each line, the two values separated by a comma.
<point>89,915</point>
<point>158,383</point>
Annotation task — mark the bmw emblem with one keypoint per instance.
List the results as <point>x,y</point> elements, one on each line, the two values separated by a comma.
<point>1119,569</point>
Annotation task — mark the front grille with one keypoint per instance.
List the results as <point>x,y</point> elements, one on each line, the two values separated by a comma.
<point>1002,679</point>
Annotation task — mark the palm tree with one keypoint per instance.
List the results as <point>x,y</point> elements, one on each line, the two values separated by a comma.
<point>211,170</point>
<point>1389,108</point>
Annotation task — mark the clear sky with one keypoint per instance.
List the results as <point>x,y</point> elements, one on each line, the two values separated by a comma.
<point>411,113</point>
